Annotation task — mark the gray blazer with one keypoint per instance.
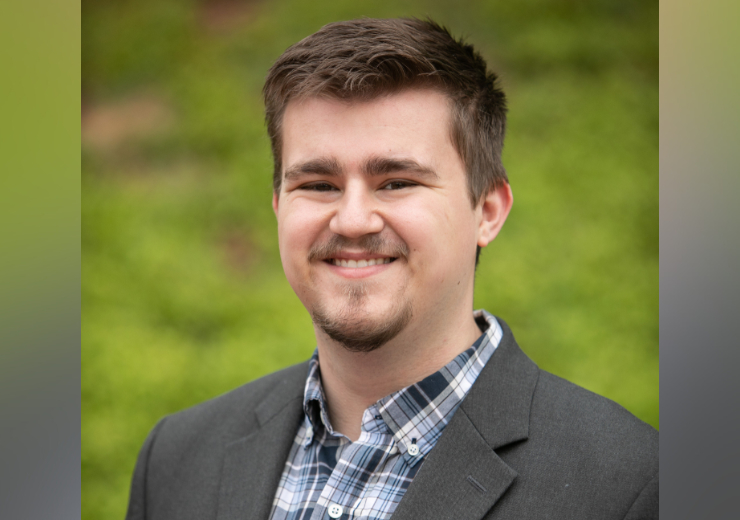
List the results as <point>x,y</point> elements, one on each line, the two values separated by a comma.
<point>524,444</point>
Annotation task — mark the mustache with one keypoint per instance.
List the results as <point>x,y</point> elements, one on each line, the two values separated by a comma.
<point>371,244</point>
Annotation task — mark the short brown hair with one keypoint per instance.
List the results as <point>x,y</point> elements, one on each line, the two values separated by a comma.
<point>367,58</point>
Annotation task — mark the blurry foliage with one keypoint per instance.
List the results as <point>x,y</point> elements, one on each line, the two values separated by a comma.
<point>183,292</point>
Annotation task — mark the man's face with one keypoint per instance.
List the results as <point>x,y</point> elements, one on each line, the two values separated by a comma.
<point>377,233</point>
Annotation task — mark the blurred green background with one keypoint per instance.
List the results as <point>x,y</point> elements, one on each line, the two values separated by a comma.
<point>183,294</point>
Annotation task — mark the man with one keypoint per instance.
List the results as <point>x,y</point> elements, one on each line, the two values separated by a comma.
<point>387,138</point>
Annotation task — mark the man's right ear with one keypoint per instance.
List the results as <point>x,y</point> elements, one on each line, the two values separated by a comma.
<point>275,202</point>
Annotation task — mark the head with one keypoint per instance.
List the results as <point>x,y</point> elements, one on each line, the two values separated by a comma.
<point>360,62</point>
<point>367,58</point>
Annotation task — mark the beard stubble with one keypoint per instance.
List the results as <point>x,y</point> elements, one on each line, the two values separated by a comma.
<point>352,326</point>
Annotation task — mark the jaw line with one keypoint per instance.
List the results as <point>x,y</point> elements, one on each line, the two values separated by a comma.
<point>354,329</point>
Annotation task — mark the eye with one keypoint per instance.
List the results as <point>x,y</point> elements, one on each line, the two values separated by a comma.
<point>398,184</point>
<point>318,186</point>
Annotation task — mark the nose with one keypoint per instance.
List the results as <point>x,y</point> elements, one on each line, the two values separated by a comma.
<point>357,212</point>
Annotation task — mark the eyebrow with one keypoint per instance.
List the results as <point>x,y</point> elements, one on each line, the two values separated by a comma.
<point>323,166</point>
<point>385,165</point>
<point>372,167</point>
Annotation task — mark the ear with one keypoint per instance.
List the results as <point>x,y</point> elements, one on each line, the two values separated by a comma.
<point>275,202</point>
<point>494,209</point>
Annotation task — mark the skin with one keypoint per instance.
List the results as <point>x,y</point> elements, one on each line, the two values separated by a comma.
<point>385,168</point>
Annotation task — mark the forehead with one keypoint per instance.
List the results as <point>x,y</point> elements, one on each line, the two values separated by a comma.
<point>411,123</point>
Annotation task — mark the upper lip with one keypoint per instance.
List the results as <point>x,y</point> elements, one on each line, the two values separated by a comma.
<point>349,255</point>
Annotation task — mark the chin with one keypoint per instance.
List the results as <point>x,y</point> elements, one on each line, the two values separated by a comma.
<point>352,326</point>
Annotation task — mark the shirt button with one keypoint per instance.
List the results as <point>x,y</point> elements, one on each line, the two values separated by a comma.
<point>413,450</point>
<point>335,510</point>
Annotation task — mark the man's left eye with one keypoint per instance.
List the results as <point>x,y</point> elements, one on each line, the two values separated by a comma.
<point>397,185</point>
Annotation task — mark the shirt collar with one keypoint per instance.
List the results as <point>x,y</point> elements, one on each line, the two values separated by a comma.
<point>418,413</point>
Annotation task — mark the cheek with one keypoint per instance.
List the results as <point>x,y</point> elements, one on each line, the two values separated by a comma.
<point>294,254</point>
<point>443,236</point>
<point>430,229</point>
<point>293,234</point>
<point>300,226</point>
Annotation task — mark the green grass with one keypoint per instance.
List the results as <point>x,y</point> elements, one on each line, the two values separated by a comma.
<point>183,293</point>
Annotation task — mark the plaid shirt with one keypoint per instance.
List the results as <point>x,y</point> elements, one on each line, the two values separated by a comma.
<point>328,476</point>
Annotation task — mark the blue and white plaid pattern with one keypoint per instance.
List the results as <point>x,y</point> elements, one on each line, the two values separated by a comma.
<point>367,478</point>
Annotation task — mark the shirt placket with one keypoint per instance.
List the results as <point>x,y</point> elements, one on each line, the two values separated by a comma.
<point>343,492</point>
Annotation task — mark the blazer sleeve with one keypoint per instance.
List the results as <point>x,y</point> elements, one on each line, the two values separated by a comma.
<point>137,498</point>
<point>645,507</point>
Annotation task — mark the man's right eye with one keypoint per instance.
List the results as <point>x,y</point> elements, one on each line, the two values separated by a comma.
<point>318,186</point>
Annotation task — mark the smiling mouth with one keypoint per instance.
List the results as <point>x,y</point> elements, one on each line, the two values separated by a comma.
<point>356,264</point>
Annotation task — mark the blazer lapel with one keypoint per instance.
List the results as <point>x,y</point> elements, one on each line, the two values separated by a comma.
<point>254,463</point>
<point>463,477</point>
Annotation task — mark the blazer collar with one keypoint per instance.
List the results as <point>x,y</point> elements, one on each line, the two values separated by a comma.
<point>253,464</point>
<point>463,477</point>
<point>499,402</point>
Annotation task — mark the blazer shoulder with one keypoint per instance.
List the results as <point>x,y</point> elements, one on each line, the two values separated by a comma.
<point>583,457</point>
<point>598,427</point>
<point>180,467</point>
<point>231,415</point>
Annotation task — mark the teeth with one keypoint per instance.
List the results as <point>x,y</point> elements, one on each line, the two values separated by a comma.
<point>354,264</point>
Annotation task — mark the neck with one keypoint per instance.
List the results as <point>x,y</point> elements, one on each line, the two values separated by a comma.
<point>353,381</point>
